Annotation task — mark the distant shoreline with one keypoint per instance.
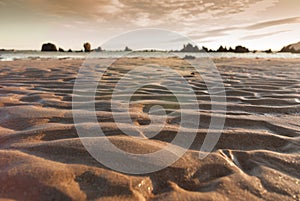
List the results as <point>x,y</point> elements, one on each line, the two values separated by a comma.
<point>144,51</point>
<point>38,55</point>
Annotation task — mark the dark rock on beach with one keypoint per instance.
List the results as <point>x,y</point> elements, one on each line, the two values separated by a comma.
<point>189,57</point>
<point>49,47</point>
<point>241,49</point>
<point>98,49</point>
<point>190,48</point>
<point>127,49</point>
<point>87,47</point>
<point>238,49</point>
<point>269,51</point>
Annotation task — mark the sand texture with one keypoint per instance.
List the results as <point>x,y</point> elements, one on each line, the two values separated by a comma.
<point>256,158</point>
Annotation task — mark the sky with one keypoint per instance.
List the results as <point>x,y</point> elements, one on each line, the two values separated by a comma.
<point>256,24</point>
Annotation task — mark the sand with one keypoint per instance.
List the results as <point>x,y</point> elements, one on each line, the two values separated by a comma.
<point>256,158</point>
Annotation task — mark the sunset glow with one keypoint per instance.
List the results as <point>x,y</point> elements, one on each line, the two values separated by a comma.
<point>257,24</point>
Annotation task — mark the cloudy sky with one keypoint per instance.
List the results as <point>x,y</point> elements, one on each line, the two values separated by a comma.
<point>257,24</point>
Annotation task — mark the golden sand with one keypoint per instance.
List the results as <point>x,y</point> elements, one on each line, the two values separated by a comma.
<point>256,158</point>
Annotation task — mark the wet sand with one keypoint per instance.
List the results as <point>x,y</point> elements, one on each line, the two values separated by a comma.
<point>256,158</point>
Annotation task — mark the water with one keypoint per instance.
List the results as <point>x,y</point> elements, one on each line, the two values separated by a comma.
<point>31,55</point>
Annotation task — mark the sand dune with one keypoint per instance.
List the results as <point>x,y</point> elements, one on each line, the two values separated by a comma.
<point>256,158</point>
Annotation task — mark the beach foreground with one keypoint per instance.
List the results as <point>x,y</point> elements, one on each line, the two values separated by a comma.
<point>256,158</point>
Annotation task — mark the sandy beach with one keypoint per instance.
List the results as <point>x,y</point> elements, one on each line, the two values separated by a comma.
<point>256,158</point>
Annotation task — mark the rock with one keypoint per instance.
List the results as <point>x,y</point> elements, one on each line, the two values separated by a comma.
<point>241,49</point>
<point>99,49</point>
<point>205,49</point>
<point>189,57</point>
<point>87,47</point>
<point>70,50</point>
<point>49,47</point>
<point>61,50</point>
<point>222,49</point>
<point>268,51</point>
<point>190,48</point>
<point>293,48</point>
<point>7,50</point>
<point>231,50</point>
<point>238,49</point>
<point>127,49</point>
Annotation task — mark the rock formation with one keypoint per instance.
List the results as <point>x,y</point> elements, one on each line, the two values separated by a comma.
<point>87,47</point>
<point>222,49</point>
<point>268,51</point>
<point>241,49</point>
<point>293,48</point>
<point>205,49</point>
<point>49,47</point>
<point>231,50</point>
<point>99,49</point>
<point>61,50</point>
<point>127,49</point>
<point>190,48</point>
<point>189,57</point>
<point>238,49</point>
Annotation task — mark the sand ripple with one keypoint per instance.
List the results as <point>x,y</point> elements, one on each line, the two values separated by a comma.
<point>256,158</point>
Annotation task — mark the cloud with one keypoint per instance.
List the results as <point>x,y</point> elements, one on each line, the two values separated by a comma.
<point>137,12</point>
<point>261,25</point>
<point>258,36</point>
<point>207,35</point>
<point>173,14</point>
<point>274,23</point>
<point>182,12</point>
